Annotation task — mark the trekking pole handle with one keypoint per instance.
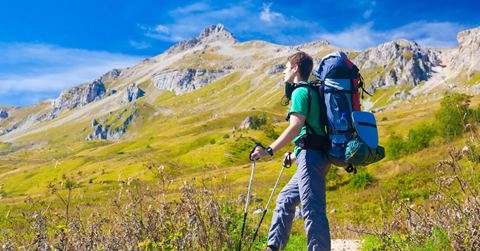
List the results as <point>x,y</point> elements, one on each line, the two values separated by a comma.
<point>287,161</point>
<point>257,144</point>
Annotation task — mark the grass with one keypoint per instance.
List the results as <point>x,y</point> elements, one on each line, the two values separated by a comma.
<point>191,144</point>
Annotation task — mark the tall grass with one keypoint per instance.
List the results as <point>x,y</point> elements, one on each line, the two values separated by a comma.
<point>139,216</point>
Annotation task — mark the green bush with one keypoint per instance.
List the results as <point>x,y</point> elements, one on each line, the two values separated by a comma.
<point>396,147</point>
<point>258,121</point>
<point>453,114</point>
<point>361,180</point>
<point>420,137</point>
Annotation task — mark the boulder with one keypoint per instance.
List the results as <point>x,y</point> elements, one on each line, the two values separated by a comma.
<point>132,93</point>
<point>246,123</point>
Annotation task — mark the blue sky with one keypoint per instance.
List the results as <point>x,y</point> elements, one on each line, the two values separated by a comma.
<point>46,46</point>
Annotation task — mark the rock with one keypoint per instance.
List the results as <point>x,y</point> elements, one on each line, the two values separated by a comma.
<point>209,34</point>
<point>397,62</point>
<point>276,69</point>
<point>246,123</point>
<point>111,75</point>
<point>468,54</point>
<point>111,92</point>
<point>132,93</point>
<point>182,81</point>
<point>402,95</point>
<point>104,131</point>
<point>3,114</point>
<point>78,96</point>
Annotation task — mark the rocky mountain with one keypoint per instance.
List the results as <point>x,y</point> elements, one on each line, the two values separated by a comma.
<point>209,34</point>
<point>78,96</point>
<point>250,72</point>
<point>467,56</point>
<point>396,62</point>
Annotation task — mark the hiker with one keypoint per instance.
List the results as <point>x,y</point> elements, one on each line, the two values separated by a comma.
<point>307,186</point>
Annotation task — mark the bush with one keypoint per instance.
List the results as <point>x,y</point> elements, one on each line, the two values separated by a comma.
<point>447,220</point>
<point>396,147</point>
<point>361,180</point>
<point>258,121</point>
<point>454,112</point>
<point>420,137</point>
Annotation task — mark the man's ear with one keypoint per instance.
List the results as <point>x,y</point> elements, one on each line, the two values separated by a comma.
<point>295,68</point>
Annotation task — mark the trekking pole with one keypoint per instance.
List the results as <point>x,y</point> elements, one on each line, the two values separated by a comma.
<point>284,165</point>
<point>245,209</point>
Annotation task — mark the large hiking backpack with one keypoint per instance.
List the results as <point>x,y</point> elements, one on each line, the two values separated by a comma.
<point>352,133</point>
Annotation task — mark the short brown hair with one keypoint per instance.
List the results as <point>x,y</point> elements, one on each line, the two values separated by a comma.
<point>304,63</point>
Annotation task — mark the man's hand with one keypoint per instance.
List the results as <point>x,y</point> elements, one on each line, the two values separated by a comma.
<point>257,153</point>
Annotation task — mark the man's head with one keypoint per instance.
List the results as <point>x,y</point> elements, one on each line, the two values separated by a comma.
<point>298,67</point>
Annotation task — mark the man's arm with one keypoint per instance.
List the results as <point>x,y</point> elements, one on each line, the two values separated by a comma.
<point>296,122</point>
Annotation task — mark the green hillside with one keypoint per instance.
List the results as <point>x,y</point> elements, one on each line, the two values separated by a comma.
<point>189,147</point>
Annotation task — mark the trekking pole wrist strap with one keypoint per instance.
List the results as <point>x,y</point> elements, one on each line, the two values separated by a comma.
<point>269,150</point>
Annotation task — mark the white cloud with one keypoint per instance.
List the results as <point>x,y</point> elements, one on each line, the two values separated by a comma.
<point>424,33</point>
<point>196,7</point>
<point>44,68</point>
<point>368,7</point>
<point>162,29</point>
<point>269,16</point>
<point>243,18</point>
<point>139,44</point>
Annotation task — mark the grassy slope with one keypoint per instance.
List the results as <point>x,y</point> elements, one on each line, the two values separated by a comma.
<point>199,141</point>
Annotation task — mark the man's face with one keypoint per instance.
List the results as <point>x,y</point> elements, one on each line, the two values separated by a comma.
<point>289,72</point>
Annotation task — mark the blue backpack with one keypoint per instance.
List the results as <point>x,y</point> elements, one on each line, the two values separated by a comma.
<point>352,134</point>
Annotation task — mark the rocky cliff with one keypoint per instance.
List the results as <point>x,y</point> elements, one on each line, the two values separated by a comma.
<point>467,57</point>
<point>181,81</point>
<point>78,96</point>
<point>396,62</point>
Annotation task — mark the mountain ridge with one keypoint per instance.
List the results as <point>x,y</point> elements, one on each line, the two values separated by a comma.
<point>215,54</point>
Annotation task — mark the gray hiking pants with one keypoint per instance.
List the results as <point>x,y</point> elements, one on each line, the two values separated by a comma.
<point>307,186</point>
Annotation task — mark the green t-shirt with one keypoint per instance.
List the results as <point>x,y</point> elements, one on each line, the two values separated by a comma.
<point>300,105</point>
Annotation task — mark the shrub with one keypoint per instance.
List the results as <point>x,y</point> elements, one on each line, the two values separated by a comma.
<point>454,112</point>
<point>361,180</point>
<point>443,222</point>
<point>258,121</point>
<point>395,147</point>
<point>420,137</point>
